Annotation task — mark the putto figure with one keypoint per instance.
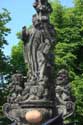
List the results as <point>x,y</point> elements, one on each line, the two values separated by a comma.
<point>16,87</point>
<point>63,94</point>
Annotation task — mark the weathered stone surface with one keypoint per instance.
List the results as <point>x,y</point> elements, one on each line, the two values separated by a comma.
<point>64,104</point>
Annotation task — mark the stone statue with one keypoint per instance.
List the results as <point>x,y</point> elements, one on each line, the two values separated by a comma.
<point>63,95</point>
<point>39,98</point>
<point>16,87</point>
<point>38,41</point>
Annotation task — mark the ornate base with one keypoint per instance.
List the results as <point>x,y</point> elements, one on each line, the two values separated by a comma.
<point>18,112</point>
<point>54,121</point>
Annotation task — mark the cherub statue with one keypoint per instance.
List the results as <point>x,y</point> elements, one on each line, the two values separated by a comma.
<point>16,87</point>
<point>63,95</point>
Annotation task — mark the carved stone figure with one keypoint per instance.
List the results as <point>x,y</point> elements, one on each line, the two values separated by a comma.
<point>38,41</point>
<point>44,7</point>
<point>16,87</point>
<point>63,95</point>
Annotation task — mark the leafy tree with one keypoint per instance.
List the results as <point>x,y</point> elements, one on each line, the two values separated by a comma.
<point>4,31</point>
<point>68,23</point>
<point>4,60</point>
<point>17,59</point>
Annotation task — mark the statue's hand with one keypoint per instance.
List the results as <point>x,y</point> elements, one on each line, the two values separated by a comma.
<point>25,34</point>
<point>23,29</point>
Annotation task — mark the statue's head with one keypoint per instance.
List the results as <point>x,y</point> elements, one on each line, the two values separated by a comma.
<point>62,77</point>
<point>35,20</point>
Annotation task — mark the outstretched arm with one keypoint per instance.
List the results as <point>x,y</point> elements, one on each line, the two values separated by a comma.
<point>25,34</point>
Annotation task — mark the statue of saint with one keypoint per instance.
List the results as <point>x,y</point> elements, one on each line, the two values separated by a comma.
<point>37,43</point>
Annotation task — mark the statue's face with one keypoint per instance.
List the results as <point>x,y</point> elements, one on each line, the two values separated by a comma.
<point>62,78</point>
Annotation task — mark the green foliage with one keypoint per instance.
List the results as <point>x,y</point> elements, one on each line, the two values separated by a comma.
<point>5,67</point>
<point>4,121</point>
<point>68,23</point>
<point>4,30</point>
<point>79,6</point>
<point>17,59</point>
<point>3,95</point>
<point>57,15</point>
<point>77,84</point>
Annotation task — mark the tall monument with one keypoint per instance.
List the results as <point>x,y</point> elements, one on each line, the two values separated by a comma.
<point>39,98</point>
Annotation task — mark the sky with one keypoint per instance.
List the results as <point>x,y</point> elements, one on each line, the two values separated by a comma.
<point>21,14</point>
